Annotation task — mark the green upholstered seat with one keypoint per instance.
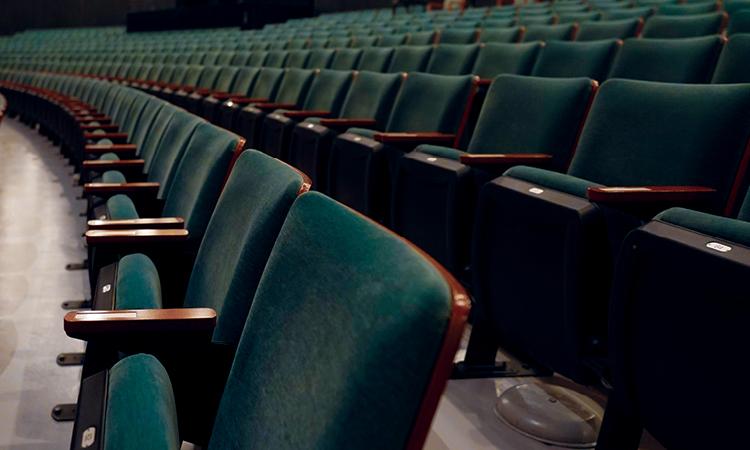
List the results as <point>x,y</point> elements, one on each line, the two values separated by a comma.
<point>498,58</point>
<point>410,58</point>
<point>628,13</point>
<point>689,60</point>
<point>138,285</point>
<point>591,59</point>
<point>276,59</point>
<point>686,9</point>
<point>608,29</point>
<point>121,207</point>
<point>734,65</point>
<point>725,228</point>
<point>739,22</point>
<point>563,32</point>
<point>458,36</point>
<point>320,58</point>
<point>579,17</point>
<point>297,59</point>
<point>452,59</point>
<point>502,35</point>
<point>421,38</point>
<point>392,40</point>
<point>346,59</point>
<point>376,59</point>
<point>671,27</point>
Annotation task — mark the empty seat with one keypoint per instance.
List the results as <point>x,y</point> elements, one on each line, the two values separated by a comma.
<point>672,27</point>
<point>458,36</point>
<point>591,59</point>
<point>503,35</point>
<point>686,9</point>
<point>452,59</point>
<point>346,59</point>
<point>564,32</point>
<point>739,22</point>
<point>609,29</point>
<point>494,59</point>
<point>320,58</point>
<point>410,58</point>
<point>733,62</point>
<point>376,59</point>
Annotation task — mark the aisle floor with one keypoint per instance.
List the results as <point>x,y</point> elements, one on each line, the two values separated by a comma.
<point>40,232</point>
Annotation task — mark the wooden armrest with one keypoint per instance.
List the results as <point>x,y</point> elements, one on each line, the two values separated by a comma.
<point>484,82</point>
<point>121,188</point>
<point>160,223</point>
<point>247,100</point>
<point>650,194</point>
<point>135,237</point>
<point>220,95</point>
<point>186,89</point>
<point>97,164</point>
<point>505,159</point>
<point>87,118</point>
<point>306,114</point>
<point>115,148</point>
<point>272,106</point>
<point>94,325</point>
<point>202,91</point>
<point>82,112</point>
<point>106,127</point>
<point>348,123</point>
<point>415,138</point>
<point>105,135</point>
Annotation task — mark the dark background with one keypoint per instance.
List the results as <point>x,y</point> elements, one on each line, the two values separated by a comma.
<point>17,15</point>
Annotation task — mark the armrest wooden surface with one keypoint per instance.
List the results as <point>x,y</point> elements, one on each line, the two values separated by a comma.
<point>82,112</point>
<point>160,223</point>
<point>121,188</point>
<point>202,91</point>
<point>415,138</point>
<point>92,325</point>
<point>349,123</point>
<point>104,148</point>
<point>97,164</point>
<point>650,194</point>
<point>484,82</point>
<point>105,135</point>
<point>306,114</point>
<point>272,106</point>
<point>87,118</point>
<point>106,127</point>
<point>134,237</point>
<point>247,100</point>
<point>505,159</point>
<point>220,95</point>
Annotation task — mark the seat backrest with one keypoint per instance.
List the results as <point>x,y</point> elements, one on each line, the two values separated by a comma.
<point>346,58</point>
<point>376,59</point>
<point>244,80</point>
<point>591,59</point>
<point>392,39</point>
<point>563,32</point>
<point>192,75</point>
<point>496,58</point>
<point>146,122</point>
<point>734,61</point>
<point>430,102</point>
<point>579,17</point>
<point>502,35</point>
<point>294,86</point>
<point>421,38</point>
<point>225,78</point>
<point>671,27</point>
<point>171,147</point>
<point>297,59</point>
<point>320,58</point>
<point>689,60</point>
<point>410,58</point>
<point>276,59</point>
<point>523,114</point>
<point>371,96</point>
<point>208,77</point>
<point>609,29</point>
<point>739,22</point>
<point>258,58</point>
<point>458,36</point>
<point>253,204</point>
<point>420,313</point>
<point>267,83</point>
<point>641,133</point>
<point>452,59</point>
<point>328,90</point>
<point>686,9</point>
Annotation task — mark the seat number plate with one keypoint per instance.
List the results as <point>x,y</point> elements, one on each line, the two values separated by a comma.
<point>536,190</point>
<point>719,247</point>
<point>89,437</point>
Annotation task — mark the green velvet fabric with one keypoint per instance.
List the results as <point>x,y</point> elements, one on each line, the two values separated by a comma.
<point>297,59</point>
<point>734,6</point>
<point>732,230</point>
<point>371,96</point>
<point>687,10</point>
<point>498,58</point>
<point>440,151</point>
<point>327,91</point>
<point>458,36</point>
<point>267,83</point>
<point>141,412</point>
<point>671,27</point>
<point>376,59</point>
<point>120,207</point>
<point>208,77</point>
<point>145,123</point>
<point>552,180</point>
<point>579,17</point>
<point>368,305</point>
<point>294,86</point>
<point>548,33</point>
<point>109,157</point>
<point>689,60</point>
<point>229,265</point>
<point>392,40</point>
<point>171,148</point>
<point>346,59</point>
<point>421,38</point>
<point>410,58</point>
<point>452,59</point>
<point>224,78</point>
<point>499,35</point>
<point>366,132</point>
<point>138,285</point>
<point>192,75</point>
<point>739,22</point>
<point>113,176</point>
<point>153,138</point>
<point>532,115</point>
<point>607,29</point>
<point>320,58</point>
<point>244,80</point>
<point>734,64</point>
<point>590,59</point>
<point>665,134</point>
<point>419,108</point>
<point>199,177</point>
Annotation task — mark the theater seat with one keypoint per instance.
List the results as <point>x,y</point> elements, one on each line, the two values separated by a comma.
<point>609,29</point>
<point>732,66</point>
<point>502,35</point>
<point>452,59</point>
<point>671,27</point>
<point>410,58</point>
<point>495,59</point>
<point>563,32</point>
<point>265,387</point>
<point>591,59</point>
<point>262,89</point>
<point>376,59</point>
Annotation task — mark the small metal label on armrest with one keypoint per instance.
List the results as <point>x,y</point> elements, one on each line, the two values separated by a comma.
<point>106,288</point>
<point>536,190</point>
<point>89,437</point>
<point>106,315</point>
<point>719,247</point>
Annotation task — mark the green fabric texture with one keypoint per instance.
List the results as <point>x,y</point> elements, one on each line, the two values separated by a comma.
<point>171,148</point>
<point>297,59</point>
<point>689,60</point>
<point>328,90</point>
<point>138,285</point>
<point>113,176</point>
<point>229,265</point>
<point>671,27</point>
<point>392,40</point>
<point>267,83</point>
<point>156,132</point>
<point>294,86</point>
<point>440,151</point>
<point>224,79</point>
<point>686,10</point>
<point>145,123</point>
<point>452,59</point>
<point>109,157</point>
<point>410,58</point>
<point>732,230</point>
<point>607,29</point>
<point>244,80</point>
<point>320,58</point>
<point>498,58</point>
<point>366,132</point>
<point>499,35</point>
<point>548,33</point>
<point>120,207</point>
<point>376,59</point>
<point>734,6</point>
<point>141,412</point>
<point>734,64</point>
<point>199,177</point>
<point>591,59</point>
<point>346,59</point>
<point>665,134</point>
<point>421,38</point>
<point>739,22</point>
<point>552,180</point>
<point>192,75</point>
<point>208,77</point>
<point>371,96</point>
<point>368,305</point>
<point>532,115</point>
<point>457,36</point>
<point>419,108</point>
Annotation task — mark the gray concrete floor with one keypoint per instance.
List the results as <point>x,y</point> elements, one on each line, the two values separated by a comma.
<point>40,232</point>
